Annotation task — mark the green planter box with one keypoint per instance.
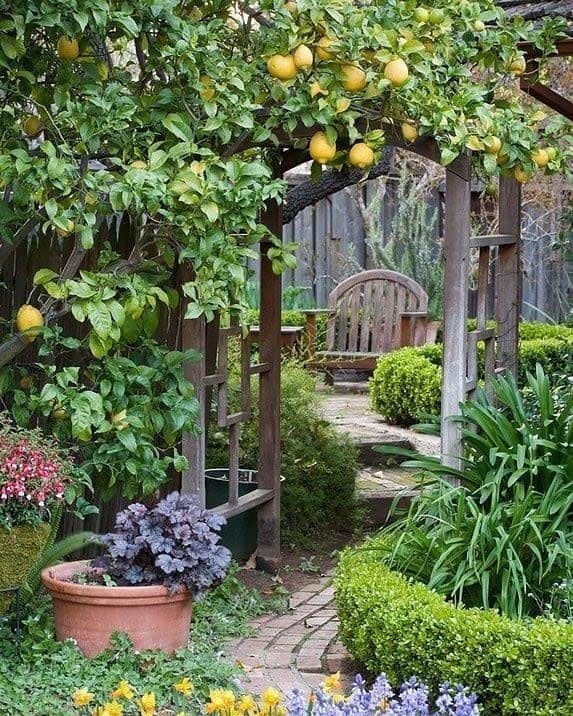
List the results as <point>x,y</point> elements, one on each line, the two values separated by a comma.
<point>240,532</point>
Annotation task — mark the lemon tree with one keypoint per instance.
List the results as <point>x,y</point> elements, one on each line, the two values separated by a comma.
<point>174,114</point>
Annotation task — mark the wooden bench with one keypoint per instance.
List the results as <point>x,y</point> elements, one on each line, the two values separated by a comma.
<point>370,314</point>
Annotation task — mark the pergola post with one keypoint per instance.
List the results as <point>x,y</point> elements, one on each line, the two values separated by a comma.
<point>268,549</point>
<point>456,284</point>
<point>193,335</point>
<point>509,276</point>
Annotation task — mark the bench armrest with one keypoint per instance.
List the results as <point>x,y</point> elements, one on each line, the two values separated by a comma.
<point>416,329</point>
<point>310,327</point>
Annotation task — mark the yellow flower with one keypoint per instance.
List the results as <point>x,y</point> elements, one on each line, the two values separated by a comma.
<point>124,691</point>
<point>82,697</point>
<point>246,704</point>
<point>147,704</point>
<point>332,682</point>
<point>112,708</point>
<point>271,697</point>
<point>184,686</point>
<point>220,700</point>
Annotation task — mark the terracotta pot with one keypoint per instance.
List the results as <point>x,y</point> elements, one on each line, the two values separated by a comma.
<point>90,614</point>
<point>20,548</point>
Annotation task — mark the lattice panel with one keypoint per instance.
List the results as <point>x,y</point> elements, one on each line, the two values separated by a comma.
<point>486,247</point>
<point>233,420</point>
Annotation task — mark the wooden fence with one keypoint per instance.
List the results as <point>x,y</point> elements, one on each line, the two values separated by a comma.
<point>332,245</point>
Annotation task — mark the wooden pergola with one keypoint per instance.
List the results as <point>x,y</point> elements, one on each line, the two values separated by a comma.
<point>460,372</point>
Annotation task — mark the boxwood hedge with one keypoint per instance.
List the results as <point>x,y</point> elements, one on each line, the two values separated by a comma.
<point>402,397</point>
<point>400,627</point>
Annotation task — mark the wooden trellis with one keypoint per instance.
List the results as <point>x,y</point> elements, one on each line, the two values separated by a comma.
<point>210,373</point>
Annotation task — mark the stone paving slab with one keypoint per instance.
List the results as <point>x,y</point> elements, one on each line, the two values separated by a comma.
<point>297,649</point>
<point>351,414</point>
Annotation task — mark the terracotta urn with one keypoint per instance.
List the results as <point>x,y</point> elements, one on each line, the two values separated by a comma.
<point>90,613</point>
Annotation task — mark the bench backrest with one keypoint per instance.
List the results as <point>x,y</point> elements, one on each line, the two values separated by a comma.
<point>364,311</point>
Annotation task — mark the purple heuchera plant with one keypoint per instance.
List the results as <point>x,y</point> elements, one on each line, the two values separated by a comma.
<point>176,543</point>
<point>381,700</point>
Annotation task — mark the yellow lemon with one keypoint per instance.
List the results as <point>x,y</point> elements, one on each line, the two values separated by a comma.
<point>321,150</point>
<point>138,164</point>
<point>521,175</point>
<point>354,78</point>
<point>32,126</point>
<point>421,14</point>
<point>397,72</point>
<point>437,16</point>
<point>323,51</point>
<point>518,66</point>
<point>303,57</point>
<point>59,414</point>
<point>492,144</point>
<point>479,25</point>
<point>541,157</point>
<point>68,48</point>
<point>29,318</point>
<point>409,132</point>
<point>291,7</point>
<point>282,67</point>
<point>361,156</point>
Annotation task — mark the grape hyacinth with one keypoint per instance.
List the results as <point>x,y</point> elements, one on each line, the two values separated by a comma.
<point>412,699</point>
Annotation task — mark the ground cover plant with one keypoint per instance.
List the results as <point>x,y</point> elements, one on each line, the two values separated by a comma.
<point>500,536</point>
<point>39,675</point>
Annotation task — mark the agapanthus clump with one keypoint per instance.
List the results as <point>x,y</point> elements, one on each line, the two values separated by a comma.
<point>34,476</point>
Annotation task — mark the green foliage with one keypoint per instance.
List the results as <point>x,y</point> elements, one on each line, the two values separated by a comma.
<point>125,413</point>
<point>500,538</point>
<point>405,387</point>
<point>42,678</point>
<point>170,117</point>
<point>398,392</point>
<point>400,627</point>
<point>319,464</point>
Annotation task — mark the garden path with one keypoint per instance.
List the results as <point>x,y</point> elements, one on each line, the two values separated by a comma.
<point>297,649</point>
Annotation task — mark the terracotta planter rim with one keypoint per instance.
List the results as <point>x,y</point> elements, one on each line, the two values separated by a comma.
<point>54,579</point>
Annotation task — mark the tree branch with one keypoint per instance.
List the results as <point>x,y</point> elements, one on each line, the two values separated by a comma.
<point>7,249</point>
<point>311,192</point>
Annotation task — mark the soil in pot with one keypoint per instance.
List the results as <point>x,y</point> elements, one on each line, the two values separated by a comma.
<point>91,613</point>
<point>20,548</point>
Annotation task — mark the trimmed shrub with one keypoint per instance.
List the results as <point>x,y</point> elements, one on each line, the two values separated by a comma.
<point>399,392</point>
<point>320,465</point>
<point>405,387</point>
<point>399,627</point>
<point>528,330</point>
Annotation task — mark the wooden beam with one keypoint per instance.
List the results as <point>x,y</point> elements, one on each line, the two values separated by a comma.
<point>549,97</point>
<point>246,502</point>
<point>268,547</point>
<point>456,283</point>
<point>508,279</point>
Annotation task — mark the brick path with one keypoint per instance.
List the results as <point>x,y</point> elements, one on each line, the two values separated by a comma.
<point>297,649</point>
